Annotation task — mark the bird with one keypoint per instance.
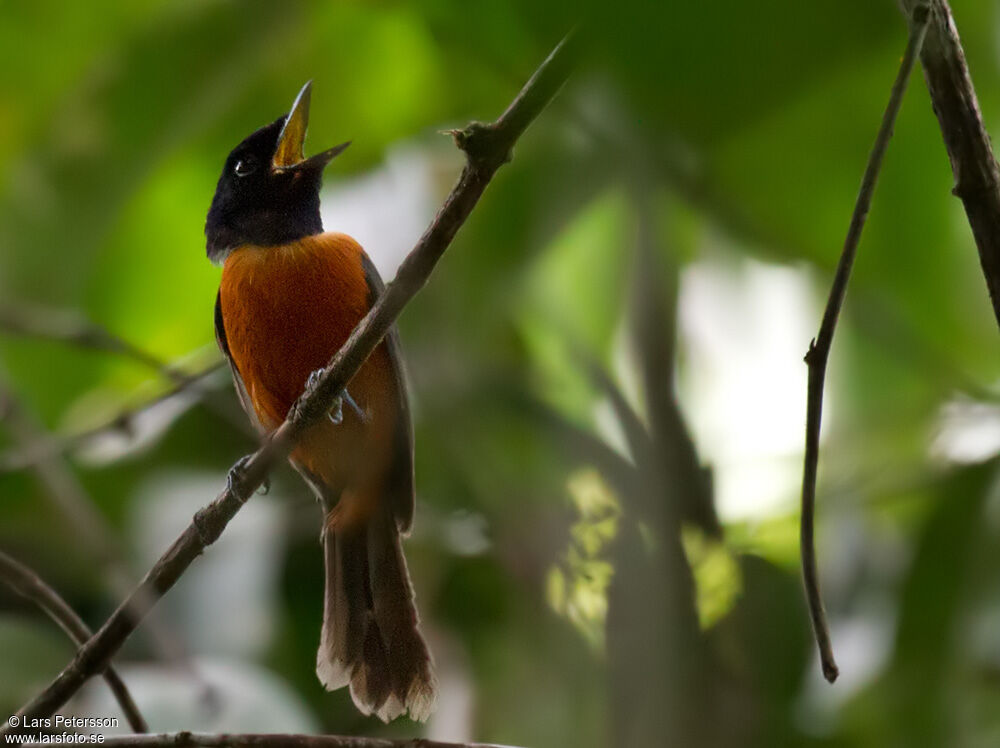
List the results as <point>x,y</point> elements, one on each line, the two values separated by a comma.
<point>289,296</point>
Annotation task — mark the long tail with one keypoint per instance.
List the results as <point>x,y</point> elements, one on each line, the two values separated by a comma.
<point>370,637</point>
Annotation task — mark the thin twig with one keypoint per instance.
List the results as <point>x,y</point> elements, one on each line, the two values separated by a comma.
<point>61,485</point>
<point>266,740</point>
<point>487,148</point>
<point>886,326</point>
<point>30,586</point>
<point>99,540</point>
<point>580,442</point>
<point>121,423</point>
<point>819,348</point>
<point>636,435</point>
<point>73,329</point>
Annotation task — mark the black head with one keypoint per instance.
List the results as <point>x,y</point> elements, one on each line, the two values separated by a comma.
<point>268,193</point>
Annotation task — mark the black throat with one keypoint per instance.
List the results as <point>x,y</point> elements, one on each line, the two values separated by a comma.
<point>254,204</point>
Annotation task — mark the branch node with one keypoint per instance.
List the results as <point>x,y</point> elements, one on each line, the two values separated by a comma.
<point>202,522</point>
<point>810,357</point>
<point>483,144</point>
<point>969,190</point>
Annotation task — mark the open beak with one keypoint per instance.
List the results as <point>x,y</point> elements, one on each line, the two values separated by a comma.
<point>289,153</point>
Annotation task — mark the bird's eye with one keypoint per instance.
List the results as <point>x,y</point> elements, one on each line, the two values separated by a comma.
<point>245,166</point>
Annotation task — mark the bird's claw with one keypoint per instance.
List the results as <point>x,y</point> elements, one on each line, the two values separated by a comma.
<point>336,414</point>
<point>313,379</point>
<point>234,479</point>
<point>337,411</point>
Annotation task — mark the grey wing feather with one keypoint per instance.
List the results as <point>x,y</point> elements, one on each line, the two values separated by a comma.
<point>241,389</point>
<point>401,479</point>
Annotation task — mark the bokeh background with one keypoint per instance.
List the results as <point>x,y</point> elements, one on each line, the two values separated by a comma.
<point>606,368</point>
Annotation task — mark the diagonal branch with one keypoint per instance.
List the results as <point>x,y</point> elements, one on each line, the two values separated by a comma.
<point>60,484</point>
<point>30,586</point>
<point>122,422</point>
<point>977,179</point>
<point>819,348</point>
<point>72,329</point>
<point>637,437</point>
<point>100,542</point>
<point>75,330</point>
<point>581,443</point>
<point>487,148</point>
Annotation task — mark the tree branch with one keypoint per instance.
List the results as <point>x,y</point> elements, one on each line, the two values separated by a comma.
<point>819,348</point>
<point>580,443</point>
<point>74,330</point>
<point>67,494</point>
<point>29,585</point>
<point>487,147</point>
<point>266,740</point>
<point>969,150</point>
<point>40,450</point>
<point>61,486</point>
<point>654,333</point>
<point>660,668</point>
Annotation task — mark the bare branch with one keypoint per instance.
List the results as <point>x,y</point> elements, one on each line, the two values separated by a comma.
<point>73,329</point>
<point>977,179</point>
<point>653,635</point>
<point>61,486</point>
<point>99,540</point>
<point>580,442</point>
<point>487,147</point>
<point>819,349</point>
<point>654,333</point>
<point>120,423</point>
<point>265,740</point>
<point>636,436</point>
<point>29,585</point>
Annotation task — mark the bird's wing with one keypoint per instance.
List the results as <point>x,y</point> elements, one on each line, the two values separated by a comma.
<point>401,487</point>
<point>241,389</point>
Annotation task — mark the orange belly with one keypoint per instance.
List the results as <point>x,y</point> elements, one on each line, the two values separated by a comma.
<point>286,311</point>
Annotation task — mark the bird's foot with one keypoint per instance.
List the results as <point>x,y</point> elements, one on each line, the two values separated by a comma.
<point>234,479</point>
<point>336,414</point>
<point>314,378</point>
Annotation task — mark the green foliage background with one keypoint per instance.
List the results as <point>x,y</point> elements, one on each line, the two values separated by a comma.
<point>744,129</point>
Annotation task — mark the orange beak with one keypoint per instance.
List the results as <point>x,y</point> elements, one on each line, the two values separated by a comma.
<point>289,153</point>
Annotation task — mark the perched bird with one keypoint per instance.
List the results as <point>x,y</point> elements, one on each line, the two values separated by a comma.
<point>289,297</point>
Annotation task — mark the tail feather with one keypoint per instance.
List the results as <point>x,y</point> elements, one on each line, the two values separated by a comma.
<point>371,686</point>
<point>370,638</point>
<point>335,658</point>
<point>392,594</point>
